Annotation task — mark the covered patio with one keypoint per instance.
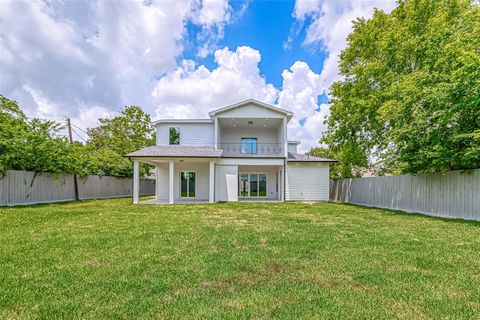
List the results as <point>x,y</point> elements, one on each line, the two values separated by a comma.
<point>183,174</point>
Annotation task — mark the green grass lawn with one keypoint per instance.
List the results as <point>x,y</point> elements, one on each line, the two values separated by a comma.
<point>111,259</point>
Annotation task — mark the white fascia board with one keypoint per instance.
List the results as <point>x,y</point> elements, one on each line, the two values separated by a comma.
<point>181,121</point>
<point>252,101</point>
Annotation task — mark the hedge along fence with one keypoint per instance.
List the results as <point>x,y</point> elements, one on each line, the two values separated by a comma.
<point>454,194</point>
<point>27,187</point>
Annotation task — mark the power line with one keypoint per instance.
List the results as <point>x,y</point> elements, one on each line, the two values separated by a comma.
<point>58,120</point>
<point>79,135</point>
<point>79,128</point>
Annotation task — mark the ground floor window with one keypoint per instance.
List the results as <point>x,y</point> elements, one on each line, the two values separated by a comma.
<point>252,185</point>
<point>187,184</point>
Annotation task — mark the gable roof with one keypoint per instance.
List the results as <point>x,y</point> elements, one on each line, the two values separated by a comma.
<point>289,114</point>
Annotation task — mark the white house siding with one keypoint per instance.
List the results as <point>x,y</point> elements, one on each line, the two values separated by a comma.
<point>235,135</point>
<point>162,182</point>
<point>201,170</point>
<point>307,181</point>
<point>226,183</point>
<point>191,134</point>
<point>201,175</point>
<point>292,147</point>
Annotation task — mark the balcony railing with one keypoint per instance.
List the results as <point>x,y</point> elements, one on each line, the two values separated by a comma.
<point>248,149</point>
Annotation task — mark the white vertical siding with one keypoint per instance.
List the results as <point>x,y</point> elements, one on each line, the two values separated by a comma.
<point>191,134</point>
<point>307,181</point>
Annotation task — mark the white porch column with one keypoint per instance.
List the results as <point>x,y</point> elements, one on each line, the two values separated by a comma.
<point>283,188</point>
<point>157,182</point>
<point>211,182</point>
<point>136,181</point>
<point>285,137</point>
<point>170,181</point>
<point>216,133</point>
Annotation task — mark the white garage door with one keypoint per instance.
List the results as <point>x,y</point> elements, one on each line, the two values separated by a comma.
<point>307,181</point>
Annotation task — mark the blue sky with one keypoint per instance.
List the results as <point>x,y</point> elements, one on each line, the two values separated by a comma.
<point>266,26</point>
<point>175,59</point>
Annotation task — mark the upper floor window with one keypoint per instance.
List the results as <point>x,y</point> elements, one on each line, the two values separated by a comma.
<point>249,145</point>
<point>174,135</point>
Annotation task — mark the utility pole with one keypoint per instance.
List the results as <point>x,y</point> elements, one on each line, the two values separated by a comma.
<point>70,139</point>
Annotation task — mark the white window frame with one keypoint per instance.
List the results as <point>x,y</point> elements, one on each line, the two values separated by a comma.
<point>251,138</point>
<point>258,185</point>
<point>179,136</point>
<point>188,185</point>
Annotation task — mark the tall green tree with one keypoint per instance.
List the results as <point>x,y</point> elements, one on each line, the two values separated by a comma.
<point>36,145</point>
<point>117,136</point>
<point>31,144</point>
<point>409,100</point>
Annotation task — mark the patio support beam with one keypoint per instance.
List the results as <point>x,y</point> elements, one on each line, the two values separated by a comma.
<point>157,182</point>
<point>170,181</point>
<point>211,182</point>
<point>216,133</point>
<point>136,181</point>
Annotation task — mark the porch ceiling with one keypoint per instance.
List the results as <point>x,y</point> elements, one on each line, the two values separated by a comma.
<point>271,123</point>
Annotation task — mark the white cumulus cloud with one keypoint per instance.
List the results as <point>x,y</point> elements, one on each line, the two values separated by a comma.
<point>60,58</point>
<point>330,24</point>
<point>300,90</point>
<point>191,91</point>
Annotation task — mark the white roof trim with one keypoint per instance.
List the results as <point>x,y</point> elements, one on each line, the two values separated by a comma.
<point>252,101</point>
<point>181,121</point>
<point>294,142</point>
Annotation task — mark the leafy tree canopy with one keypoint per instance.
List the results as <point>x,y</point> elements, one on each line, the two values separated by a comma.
<point>409,100</point>
<point>127,132</point>
<point>117,136</point>
<point>30,144</point>
<point>35,145</point>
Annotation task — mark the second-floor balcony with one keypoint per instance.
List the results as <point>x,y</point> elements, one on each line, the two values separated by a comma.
<point>252,149</point>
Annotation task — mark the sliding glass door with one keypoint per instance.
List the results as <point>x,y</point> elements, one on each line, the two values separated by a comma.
<point>252,185</point>
<point>243,188</point>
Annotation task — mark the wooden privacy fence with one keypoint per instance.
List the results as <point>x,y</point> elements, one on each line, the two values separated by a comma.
<point>26,187</point>
<point>455,194</point>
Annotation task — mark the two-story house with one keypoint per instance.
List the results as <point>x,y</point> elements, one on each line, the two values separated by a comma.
<point>240,153</point>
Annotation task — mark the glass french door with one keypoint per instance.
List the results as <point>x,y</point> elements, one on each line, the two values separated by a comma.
<point>252,185</point>
<point>187,184</point>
